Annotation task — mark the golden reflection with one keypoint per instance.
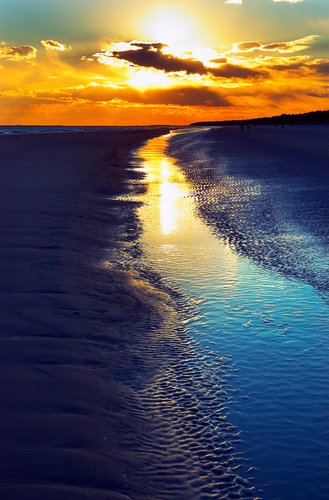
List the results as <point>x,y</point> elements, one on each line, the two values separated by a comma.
<point>169,214</point>
<point>173,233</point>
<point>170,186</point>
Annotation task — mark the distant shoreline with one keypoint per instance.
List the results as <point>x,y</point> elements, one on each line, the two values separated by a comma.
<point>312,118</point>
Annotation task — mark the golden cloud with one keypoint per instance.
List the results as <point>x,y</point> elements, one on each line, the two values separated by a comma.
<point>15,53</point>
<point>292,46</point>
<point>55,45</point>
<point>281,47</point>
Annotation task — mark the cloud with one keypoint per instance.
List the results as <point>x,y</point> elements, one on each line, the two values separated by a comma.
<point>283,47</point>
<point>247,46</point>
<point>157,57</point>
<point>236,2</point>
<point>236,71</point>
<point>55,45</point>
<point>13,52</point>
<point>289,66</point>
<point>186,96</point>
<point>292,46</point>
<point>177,96</point>
<point>220,60</point>
<point>150,55</point>
<point>321,67</point>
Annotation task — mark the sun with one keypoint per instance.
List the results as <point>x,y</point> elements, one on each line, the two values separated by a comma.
<point>170,26</point>
<point>146,78</point>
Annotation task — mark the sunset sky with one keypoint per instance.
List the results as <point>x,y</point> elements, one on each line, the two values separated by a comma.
<point>117,62</point>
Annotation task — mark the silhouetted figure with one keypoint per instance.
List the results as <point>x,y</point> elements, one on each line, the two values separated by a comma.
<point>241,126</point>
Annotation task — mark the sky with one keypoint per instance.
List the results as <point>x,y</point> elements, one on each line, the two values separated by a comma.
<point>118,62</point>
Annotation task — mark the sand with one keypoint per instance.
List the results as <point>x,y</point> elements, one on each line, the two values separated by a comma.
<point>71,319</point>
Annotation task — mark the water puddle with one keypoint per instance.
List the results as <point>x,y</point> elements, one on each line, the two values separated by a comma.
<point>273,331</point>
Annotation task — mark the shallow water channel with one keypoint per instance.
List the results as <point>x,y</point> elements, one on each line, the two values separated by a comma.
<point>273,332</point>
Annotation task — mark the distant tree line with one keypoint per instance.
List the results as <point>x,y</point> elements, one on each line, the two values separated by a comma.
<point>312,118</point>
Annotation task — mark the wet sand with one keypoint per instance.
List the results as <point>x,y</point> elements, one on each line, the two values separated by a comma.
<point>75,324</point>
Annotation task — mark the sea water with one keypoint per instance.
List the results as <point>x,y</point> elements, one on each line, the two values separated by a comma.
<point>271,330</point>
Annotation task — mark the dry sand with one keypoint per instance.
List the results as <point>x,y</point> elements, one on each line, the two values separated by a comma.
<point>71,323</point>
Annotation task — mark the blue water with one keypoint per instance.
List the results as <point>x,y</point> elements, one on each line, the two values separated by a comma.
<point>273,332</point>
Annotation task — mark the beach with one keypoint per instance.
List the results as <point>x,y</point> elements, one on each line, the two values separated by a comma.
<point>148,279</point>
<point>74,321</point>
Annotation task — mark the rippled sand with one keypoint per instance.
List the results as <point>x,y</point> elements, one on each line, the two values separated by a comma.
<point>265,192</point>
<point>74,321</point>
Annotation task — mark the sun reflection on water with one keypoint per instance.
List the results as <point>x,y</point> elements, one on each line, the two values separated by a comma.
<point>169,185</point>
<point>173,232</point>
<point>171,192</point>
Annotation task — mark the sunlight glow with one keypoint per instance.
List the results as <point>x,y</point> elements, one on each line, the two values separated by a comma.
<point>170,26</point>
<point>146,78</point>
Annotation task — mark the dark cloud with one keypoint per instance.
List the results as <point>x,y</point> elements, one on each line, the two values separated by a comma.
<point>293,66</point>
<point>20,52</point>
<point>149,55</point>
<point>322,68</point>
<point>149,45</point>
<point>235,71</point>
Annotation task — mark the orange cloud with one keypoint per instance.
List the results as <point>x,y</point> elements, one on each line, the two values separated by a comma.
<point>152,82</point>
<point>178,96</point>
<point>237,71</point>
